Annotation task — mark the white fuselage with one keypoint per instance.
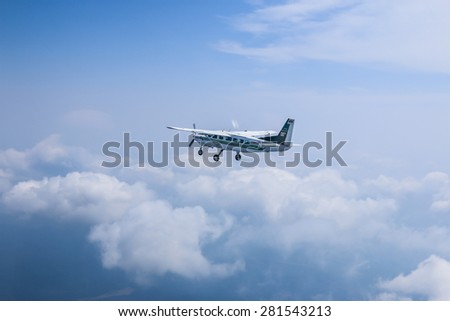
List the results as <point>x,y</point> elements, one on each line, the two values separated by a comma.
<point>239,142</point>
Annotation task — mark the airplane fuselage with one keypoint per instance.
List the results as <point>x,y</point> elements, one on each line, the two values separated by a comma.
<point>226,141</point>
<point>242,141</point>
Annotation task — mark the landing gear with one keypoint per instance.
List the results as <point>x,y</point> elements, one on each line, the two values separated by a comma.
<point>217,156</point>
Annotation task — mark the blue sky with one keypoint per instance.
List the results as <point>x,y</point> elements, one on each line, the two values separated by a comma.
<point>74,75</point>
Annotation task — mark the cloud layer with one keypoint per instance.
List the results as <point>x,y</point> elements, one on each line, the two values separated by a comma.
<point>204,223</point>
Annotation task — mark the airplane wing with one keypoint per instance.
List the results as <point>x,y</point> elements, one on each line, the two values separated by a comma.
<point>201,131</point>
<point>182,129</point>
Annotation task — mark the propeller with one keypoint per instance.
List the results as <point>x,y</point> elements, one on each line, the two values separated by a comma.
<point>193,139</point>
<point>235,124</point>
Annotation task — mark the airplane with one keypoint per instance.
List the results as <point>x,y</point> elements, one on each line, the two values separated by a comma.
<point>242,141</point>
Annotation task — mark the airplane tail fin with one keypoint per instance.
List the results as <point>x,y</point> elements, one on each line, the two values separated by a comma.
<point>285,135</point>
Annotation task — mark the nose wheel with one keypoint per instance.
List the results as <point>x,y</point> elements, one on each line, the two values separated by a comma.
<point>200,152</point>
<point>238,157</point>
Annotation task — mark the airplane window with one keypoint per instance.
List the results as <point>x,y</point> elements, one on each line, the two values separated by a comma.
<point>235,139</point>
<point>220,137</point>
<point>242,141</point>
<point>215,136</point>
<point>228,138</point>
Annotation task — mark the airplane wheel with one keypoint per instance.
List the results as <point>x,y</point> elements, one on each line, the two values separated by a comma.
<point>238,157</point>
<point>200,152</point>
<point>216,158</point>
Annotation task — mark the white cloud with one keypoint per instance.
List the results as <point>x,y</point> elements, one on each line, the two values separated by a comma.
<point>436,178</point>
<point>13,159</point>
<point>154,238</point>
<point>410,34</point>
<point>441,182</point>
<point>49,150</point>
<point>91,197</point>
<point>436,183</point>
<point>442,204</point>
<point>19,164</point>
<point>283,17</point>
<point>278,195</point>
<point>430,279</point>
<point>284,210</point>
<point>394,186</point>
<point>135,231</point>
<point>48,154</point>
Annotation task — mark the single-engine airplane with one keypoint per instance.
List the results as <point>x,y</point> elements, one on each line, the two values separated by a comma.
<point>242,141</point>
